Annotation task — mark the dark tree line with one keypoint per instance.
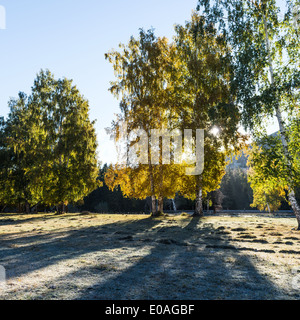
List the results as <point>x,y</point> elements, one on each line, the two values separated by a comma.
<point>235,193</point>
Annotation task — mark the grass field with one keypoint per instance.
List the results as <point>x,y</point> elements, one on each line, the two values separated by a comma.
<point>136,257</point>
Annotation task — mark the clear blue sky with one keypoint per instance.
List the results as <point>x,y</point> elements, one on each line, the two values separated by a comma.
<point>70,38</point>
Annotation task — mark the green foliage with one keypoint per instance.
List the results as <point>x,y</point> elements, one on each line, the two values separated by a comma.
<point>50,144</point>
<point>266,72</point>
<point>261,38</point>
<point>269,174</point>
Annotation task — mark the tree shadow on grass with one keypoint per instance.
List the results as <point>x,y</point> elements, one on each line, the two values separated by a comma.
<point>181,263</point>
<point>10,219</point>
<point>178,268</point>
<point>28,253</point>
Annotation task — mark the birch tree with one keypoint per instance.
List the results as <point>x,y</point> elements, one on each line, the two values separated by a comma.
<point>265,44</point>
<point>145,71</point>
<point>208,102</point>
<point>51,146</point>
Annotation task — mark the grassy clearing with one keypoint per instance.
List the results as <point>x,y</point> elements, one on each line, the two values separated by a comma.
<point>136,257</point>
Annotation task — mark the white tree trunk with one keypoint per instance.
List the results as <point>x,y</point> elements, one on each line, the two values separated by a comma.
<point>174,205</point>
<point>199,201</point>
<point>152,186</point>
<point>295,206</point>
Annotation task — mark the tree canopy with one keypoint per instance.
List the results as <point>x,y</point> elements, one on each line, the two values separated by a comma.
<point>49,146</point>
<point>266,66</point>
